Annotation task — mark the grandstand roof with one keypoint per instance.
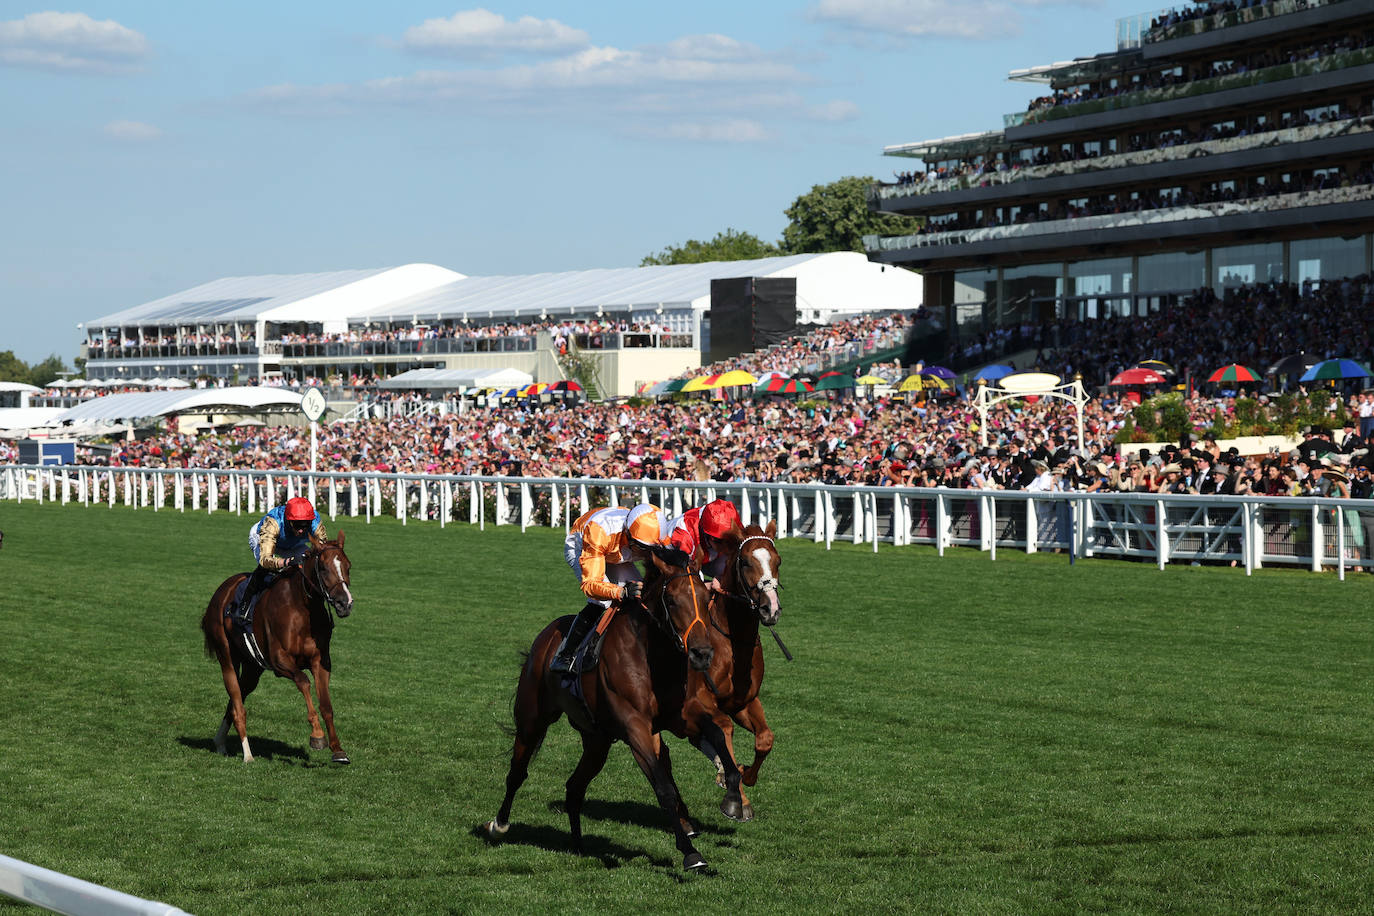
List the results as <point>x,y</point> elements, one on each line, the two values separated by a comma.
<point>423,290</point>
<point>284,297</point>
<point>450,379</point>
<point>140,405</point>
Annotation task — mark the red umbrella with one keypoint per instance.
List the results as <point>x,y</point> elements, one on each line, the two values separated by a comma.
<point>1138,376</point>
<point>566,384</point>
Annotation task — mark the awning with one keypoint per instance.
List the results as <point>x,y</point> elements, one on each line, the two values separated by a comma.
<point>453,379</point>
<point>139,405</point>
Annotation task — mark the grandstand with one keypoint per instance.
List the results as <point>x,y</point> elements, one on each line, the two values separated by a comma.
<point>1219,144</point>
<point>637,324</point>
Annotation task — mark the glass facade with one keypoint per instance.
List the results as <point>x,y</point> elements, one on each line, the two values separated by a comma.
<point>1327,259</point>
<point>1243,264</point>
<point>1173,270</point>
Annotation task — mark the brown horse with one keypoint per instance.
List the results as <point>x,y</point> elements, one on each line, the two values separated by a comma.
<point>731,692</point>
<point>293,627</point>
<point>637,691</point>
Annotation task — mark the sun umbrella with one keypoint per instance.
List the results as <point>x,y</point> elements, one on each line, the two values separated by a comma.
<point>1235,372</point>
<point>938,372</point>
<point>994,372</point>
<point>1158,365</point>
<point>834,381</point>
<point>533,389</point>
<point>869,381</point>
<point>1138,376</point>
<point>769,376</point>
<point>785,386</point>
<point>566,384</point>
<point>1334,369</point>
<point>720,380</point>
<point>918,382</point>
<point>1296,364</point>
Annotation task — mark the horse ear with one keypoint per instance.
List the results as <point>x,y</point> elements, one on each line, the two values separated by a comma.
<point>339,538</point>
<point>772,530</point>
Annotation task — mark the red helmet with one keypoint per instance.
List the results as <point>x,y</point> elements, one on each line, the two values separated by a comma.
<point>299,509</point>
<point>718,517</point>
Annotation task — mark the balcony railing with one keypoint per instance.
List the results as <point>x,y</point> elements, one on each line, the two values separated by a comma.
<point>366,349</point>
<point>1226,19</point>
<point>1137,97</point>
<point>1123,220</point>
<point>169,351</point>
<point>629,340</point>
<point>1126,160</point>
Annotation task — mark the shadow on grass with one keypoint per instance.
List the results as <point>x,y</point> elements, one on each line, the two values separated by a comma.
<point>263,749</point>
<point>640,814</point>
<point>610,853</point>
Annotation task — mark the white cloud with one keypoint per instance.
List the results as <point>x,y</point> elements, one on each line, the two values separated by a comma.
<point>481,33</point>
<point>132,131</point>
<point>711,88</point>
<point>734,131</point>
<point>70,42</point>
<point>838,110</point>
<point>882,20</point>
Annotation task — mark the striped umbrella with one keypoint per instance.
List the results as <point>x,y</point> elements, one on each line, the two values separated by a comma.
<point>566,384</point>
<point>533,389</point>
<point>1334,369</point>
<point>785,386</point>
<point>1234,372</point>
<point>720,380</point>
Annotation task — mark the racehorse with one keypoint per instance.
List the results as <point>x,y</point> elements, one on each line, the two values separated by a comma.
<point>293,627</point>
<point>731,692</point>
<point>636,691</point>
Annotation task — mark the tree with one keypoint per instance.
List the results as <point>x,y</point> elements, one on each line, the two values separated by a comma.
<point>836,217</point>
<point>44,373</point>
<point>729,245</point>
<point>12,368</point>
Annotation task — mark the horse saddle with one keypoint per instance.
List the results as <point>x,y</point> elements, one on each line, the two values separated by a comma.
<point>241,613</point>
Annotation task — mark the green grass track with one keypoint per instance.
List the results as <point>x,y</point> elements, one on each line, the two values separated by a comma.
<point>956,735</point>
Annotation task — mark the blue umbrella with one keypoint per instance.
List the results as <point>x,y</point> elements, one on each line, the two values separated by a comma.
<point>994,372</point>
<point>1335,369</point>
<point>938,372</point>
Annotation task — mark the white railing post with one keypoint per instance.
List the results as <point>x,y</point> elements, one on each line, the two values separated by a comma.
<point>1317,537</point>
<point>1032,525</point>
<point>526,506</point>
<point>1161,534</point>
<point>941,522</point>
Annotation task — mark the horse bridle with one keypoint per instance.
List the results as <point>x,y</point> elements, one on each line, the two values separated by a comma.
<point>318,582</point>
<point>666,619</point>
<point>764,585</point>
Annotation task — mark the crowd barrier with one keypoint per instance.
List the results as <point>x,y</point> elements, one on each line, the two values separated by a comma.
<point>1248,531</point>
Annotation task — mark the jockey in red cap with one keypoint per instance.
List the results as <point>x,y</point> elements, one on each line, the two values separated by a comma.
<point>704,528</point>
<point>280,539</point>
<point>601,548</point>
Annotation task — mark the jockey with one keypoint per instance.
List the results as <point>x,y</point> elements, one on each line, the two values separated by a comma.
<point>280,539</point>
<point>601,548</point>
<point>703,528</point>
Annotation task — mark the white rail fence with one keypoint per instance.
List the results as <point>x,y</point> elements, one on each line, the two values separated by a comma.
<point>1247,530</point>
<point>64,894</point>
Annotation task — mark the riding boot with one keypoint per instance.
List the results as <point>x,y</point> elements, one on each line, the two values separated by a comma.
<point>256,581</point>
<point>581,626</point>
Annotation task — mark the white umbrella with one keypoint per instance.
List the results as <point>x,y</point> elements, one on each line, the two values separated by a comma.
<point>176,383</point>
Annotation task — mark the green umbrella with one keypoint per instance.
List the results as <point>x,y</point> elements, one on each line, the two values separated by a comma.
<point>835,381</point>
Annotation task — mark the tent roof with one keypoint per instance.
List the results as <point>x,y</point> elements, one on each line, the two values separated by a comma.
<point>18,386</point>
<point>458,378</point>
<point>140,405</point>
<point>586,290</point>
<point>283,297</point>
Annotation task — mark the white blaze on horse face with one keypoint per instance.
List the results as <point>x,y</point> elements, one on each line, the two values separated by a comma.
<point>764,558</point>
<point>338,571</point>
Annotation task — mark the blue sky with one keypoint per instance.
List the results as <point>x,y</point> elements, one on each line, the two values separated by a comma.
<point>147,147</point>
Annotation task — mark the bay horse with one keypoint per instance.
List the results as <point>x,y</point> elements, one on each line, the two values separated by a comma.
<point>634,693</point>
<point>293,627</point>
<point>729,692</point>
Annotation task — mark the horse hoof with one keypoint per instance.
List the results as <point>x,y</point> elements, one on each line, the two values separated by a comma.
<point>319,744</point>
<point>748,813</point>
<point>495,829</point>
<point>734,810</point>
<point>693,861</point>
<point>340,757</point>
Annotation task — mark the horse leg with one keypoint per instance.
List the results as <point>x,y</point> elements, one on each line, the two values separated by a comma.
<point>234,710</point>
<point>326,710</point>
<point>688,825</point>
<point>533,716</point>
<point>594,751</point>
<point>751,717</point>
<point>655,764</point>
<point>712,742</point>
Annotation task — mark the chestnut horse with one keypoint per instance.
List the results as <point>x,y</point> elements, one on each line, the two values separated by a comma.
<point>731,692</point>
<point>293,626</point>
<point>637,691</point>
